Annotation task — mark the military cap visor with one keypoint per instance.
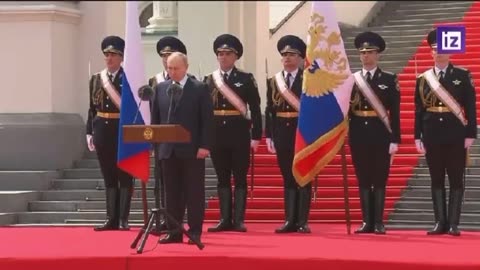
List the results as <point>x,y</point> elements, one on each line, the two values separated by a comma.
<point>113,44</point>
<point>369,41</point>
<point>291,44</point>
<point>228,43</point>
<point>169,44</point>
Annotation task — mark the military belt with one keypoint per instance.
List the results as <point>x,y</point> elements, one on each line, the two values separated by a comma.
<point>441,109</point>
<point>287,114</point>
<point>365,113</point>
<point>226,112</point>
<point>108,115</point>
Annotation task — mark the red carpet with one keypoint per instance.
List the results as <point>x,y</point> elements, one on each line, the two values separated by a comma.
<point>267,203</point>
<point>328,247</point>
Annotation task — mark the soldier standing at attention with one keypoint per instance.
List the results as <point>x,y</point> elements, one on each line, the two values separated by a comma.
<point>445,127</point>
<point>281,116</point>
<point>374,129</point>
<point>102,134</point>
<point>232,90</point>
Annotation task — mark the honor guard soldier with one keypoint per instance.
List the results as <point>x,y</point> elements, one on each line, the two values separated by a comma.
<point>445,127</point>
<point>374,129</point>
<point>165,47</point>
<point>102,134</point>
<point>231,90</point>
<point>281,116</point>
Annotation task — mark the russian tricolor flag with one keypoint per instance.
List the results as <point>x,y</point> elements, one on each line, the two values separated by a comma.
<point>133,158</point>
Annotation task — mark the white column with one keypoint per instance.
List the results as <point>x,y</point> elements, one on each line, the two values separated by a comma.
<point>164,17</point>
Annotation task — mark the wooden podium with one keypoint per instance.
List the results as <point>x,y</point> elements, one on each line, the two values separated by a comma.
<point>154,134</point>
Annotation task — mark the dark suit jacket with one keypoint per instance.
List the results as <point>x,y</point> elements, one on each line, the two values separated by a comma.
<point>194,111</point>
<point>445,127</point>
<point>371,130</point>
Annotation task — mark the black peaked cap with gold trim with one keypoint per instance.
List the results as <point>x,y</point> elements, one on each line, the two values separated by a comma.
<point>227,42</point>
<point>369,41</point>
<point>113,44</point>
<point>432,38</point>
<point>291,44</point>
<point>169,45</point>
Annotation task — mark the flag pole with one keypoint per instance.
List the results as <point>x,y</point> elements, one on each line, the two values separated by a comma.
<point>345,189</point>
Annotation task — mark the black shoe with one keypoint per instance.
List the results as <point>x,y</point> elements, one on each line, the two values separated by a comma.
<point>225,199</point>
<point>379,228</point>
<point>303,210</point>
<point>240,203</point>
<point>195,237</point>
<point>440,212</point>
<point>290,201</point>
<point>124,211</point>
<point>367,202</point>
<point>454,231</point>
<point>111,223</point>
<point>171,238</point>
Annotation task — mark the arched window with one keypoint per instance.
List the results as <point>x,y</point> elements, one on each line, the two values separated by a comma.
<point>146,14</point>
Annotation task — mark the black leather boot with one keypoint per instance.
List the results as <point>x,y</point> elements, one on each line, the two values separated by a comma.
<point>225,198</point>
<point>304,200</point>
<point>440,212</point>
<point>454,211</point>
<point>240,204</point>
<point>379,195</point>
<point>366,203</point>
<point>290,201</point>
<point>111,223</point>
<point>124,211</point>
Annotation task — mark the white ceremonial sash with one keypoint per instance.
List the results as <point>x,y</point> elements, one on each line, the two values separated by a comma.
<point>228,93</point>
<point>110,89</point>
<point>290,97</point>
<point>372,98</point>
<point>444,96</point>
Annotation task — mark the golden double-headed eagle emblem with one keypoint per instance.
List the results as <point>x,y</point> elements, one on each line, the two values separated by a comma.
<point>325,67</point>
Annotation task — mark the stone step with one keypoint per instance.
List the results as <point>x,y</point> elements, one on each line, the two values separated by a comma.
<point>26,180</point>
<point>466,218</point>
<point>426,181</point>
<point>8,218</point>
<point>98,184</point>
<point>471,193</point>
<point>93,163</point>
<point>15,201</point>
<point>443,4</point>
<point>406,206</point>
<point>426,226</point>
<point>95,173</point>
<point>454,9</point>
<point>80,206</point>
<point>95,195</point>
<point>419,21</point>
<point>469,170</point>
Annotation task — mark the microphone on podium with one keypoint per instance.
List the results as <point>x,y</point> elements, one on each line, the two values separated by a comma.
<point>145,93</point>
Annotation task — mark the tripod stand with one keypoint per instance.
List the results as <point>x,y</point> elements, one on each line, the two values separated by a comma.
<point>155,216</point>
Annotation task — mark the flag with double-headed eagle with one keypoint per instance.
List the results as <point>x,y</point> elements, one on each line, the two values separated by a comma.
<point>325,99</point>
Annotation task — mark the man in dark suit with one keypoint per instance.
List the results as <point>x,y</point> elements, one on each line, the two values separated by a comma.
<point>374,129</point>
<point>102,134</point>
<point>183,164</point>
<point>281,116</point>
<point>444,129</point>
<point>165,47</point>
<point>235,94</point>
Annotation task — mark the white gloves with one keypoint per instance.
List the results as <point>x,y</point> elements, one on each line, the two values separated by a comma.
<point>90,144</point>
<point>468,142</point>
<point>270,146</point>
<point>420,148</point>
<point>393,148</point>
<point>254,145</point>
